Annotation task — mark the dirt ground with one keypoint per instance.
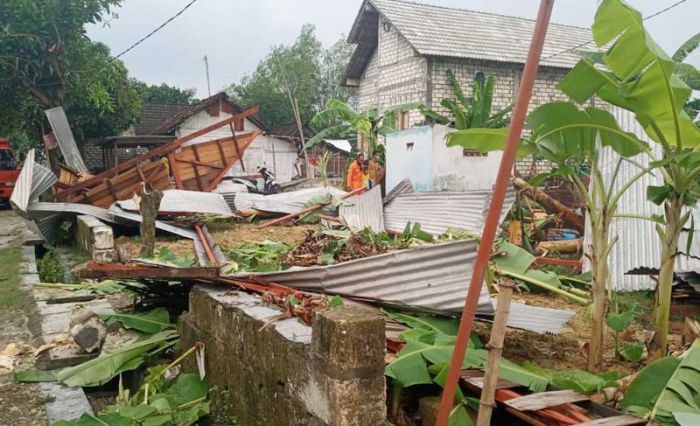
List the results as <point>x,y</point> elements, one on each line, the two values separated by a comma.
<point>20,404</point>
<point>565,351</point>
<point>229,235</point>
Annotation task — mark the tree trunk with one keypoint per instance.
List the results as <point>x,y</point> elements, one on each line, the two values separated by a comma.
<point>662,300</point>
<point>550,204</point>
<point>148,204</point>
<point>599,270</point>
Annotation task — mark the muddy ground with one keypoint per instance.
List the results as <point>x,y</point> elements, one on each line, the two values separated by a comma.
<point>20,404</point>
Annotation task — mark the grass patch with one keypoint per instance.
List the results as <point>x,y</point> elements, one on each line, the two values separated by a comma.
<point>9,278</point>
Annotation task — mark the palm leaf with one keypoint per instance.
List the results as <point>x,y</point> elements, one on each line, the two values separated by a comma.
<point>327,133</point>
<point>147,322</point>
<point>682,391</point>
<point>687,48</point>
<point>100,370</point>
<point>457,89</point>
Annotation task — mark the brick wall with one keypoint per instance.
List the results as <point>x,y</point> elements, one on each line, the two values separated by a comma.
<point>92,155</point>
<point>395,75</point>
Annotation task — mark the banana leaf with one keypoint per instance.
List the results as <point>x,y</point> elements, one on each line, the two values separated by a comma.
<point>644,390</point>
<point>148,322</point>
<point>102,369</point>
<point>682,391</point>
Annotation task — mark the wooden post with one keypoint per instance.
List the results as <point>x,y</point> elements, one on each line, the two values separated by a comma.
<point>148,204</point>
<point>495,348</point>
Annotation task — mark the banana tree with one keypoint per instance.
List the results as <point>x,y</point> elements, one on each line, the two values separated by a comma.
<point>640,77</point>
<point>689,74</point>
<point>571,139</point>
<point>340,118</point>
<point>474,112</point>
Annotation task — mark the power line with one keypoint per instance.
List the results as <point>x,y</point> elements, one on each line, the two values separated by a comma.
<point>160,27</point>
<point>662,11</point>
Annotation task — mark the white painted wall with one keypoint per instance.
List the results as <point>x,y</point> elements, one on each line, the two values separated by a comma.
<point>452,171</point>
<point>432,166</point>
<point>259,153</point>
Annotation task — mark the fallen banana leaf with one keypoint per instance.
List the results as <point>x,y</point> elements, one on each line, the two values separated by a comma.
<point>148,322</point>
<point>102,369</point>
<point>35,376</point>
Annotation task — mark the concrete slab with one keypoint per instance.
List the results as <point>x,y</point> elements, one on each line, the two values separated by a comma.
<point>64,403</point>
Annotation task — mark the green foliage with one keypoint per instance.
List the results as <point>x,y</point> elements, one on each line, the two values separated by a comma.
<point>340,118</point>
<point>474,112</point>
<point>50,268</point>
<point>180,404</point>
<point>147,322</point>
<point>164,94</point>
<point>10,258</point>
<point>668,390</point>
<point>265,256</point>
<point>576,380</point>
<point>46,60</point>
<point>633,351</point>
<point>428,351</point>
<point>102,369</point>
<point>168,257</point>
<point>620,321</point>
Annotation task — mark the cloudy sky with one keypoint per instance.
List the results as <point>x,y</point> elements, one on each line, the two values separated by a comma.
<point>235,35</point>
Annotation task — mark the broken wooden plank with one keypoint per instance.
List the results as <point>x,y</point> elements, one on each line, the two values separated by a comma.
<point>550,203</point>
<point>542,400</point>
<point>125,270</point>
<point>622,420</point>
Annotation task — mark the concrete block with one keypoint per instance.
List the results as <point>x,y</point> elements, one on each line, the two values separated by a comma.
<point>64,403</point>
<point>95,238</point>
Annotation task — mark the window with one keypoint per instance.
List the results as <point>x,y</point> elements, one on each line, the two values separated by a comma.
<point>473,153</point>
<point>403,121</point>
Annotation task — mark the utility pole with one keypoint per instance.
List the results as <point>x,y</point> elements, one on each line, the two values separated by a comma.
<point>206,66</point>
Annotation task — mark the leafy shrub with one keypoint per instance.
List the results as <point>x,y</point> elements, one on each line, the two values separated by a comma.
<point>50,268</point>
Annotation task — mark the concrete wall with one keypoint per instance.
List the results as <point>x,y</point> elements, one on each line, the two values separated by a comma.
<point>288,373</point>
<point>421,154</point>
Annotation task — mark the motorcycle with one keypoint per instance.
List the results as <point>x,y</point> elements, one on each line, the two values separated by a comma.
<point>270,185</point>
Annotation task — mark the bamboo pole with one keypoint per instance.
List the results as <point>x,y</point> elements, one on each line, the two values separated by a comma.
<point>491,224</point>
<point>495,348</point>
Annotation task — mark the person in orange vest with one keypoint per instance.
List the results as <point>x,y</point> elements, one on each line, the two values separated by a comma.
<point>355,173</point>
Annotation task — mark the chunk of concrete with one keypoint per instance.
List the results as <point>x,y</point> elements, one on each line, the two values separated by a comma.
<point>119,338</point>
<point>95,238</point>
<point>88,329</point>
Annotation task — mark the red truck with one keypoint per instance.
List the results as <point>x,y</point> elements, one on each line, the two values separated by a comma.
<point>8,170</point>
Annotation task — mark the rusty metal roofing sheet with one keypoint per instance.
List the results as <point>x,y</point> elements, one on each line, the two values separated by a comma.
<point>180,201</point>
<point>364,211</point>
<point>438,211</point>
<point>429,277</point>
<point>638,243</point>
<point>66,141</point>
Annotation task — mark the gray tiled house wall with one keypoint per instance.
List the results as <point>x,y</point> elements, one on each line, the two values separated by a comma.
<point>396,74</point>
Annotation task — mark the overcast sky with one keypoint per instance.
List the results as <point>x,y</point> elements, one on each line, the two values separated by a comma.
<point>236,35</point>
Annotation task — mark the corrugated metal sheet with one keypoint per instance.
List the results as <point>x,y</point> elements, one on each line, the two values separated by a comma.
<point>39,212</point>
<point>33,180</point>
<point>364,211</point>
<point>430,277</point>
<point>66,141</point>
<point>638,244</point>
<point>179,201</point>
<point>537,319</point>
<point>405,186</point>
<point>438,211</point>
<point>286,202</point>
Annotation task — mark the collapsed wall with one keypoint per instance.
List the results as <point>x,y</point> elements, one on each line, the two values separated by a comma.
<point>287,373</point>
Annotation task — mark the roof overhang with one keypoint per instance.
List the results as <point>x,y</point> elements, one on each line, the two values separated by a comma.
<point>364,33</point>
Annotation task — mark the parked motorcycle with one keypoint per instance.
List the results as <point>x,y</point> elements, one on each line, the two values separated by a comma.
<point>270,185</point>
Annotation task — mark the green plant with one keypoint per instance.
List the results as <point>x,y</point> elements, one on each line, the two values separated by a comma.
<point>341,118</point>
<point>474,112</point>
<point>51,268</point>
<point>572,139</point>
<point>668,390</point>
<point>265,256</point>
<point>619,322</point>
<point>642,78</point>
